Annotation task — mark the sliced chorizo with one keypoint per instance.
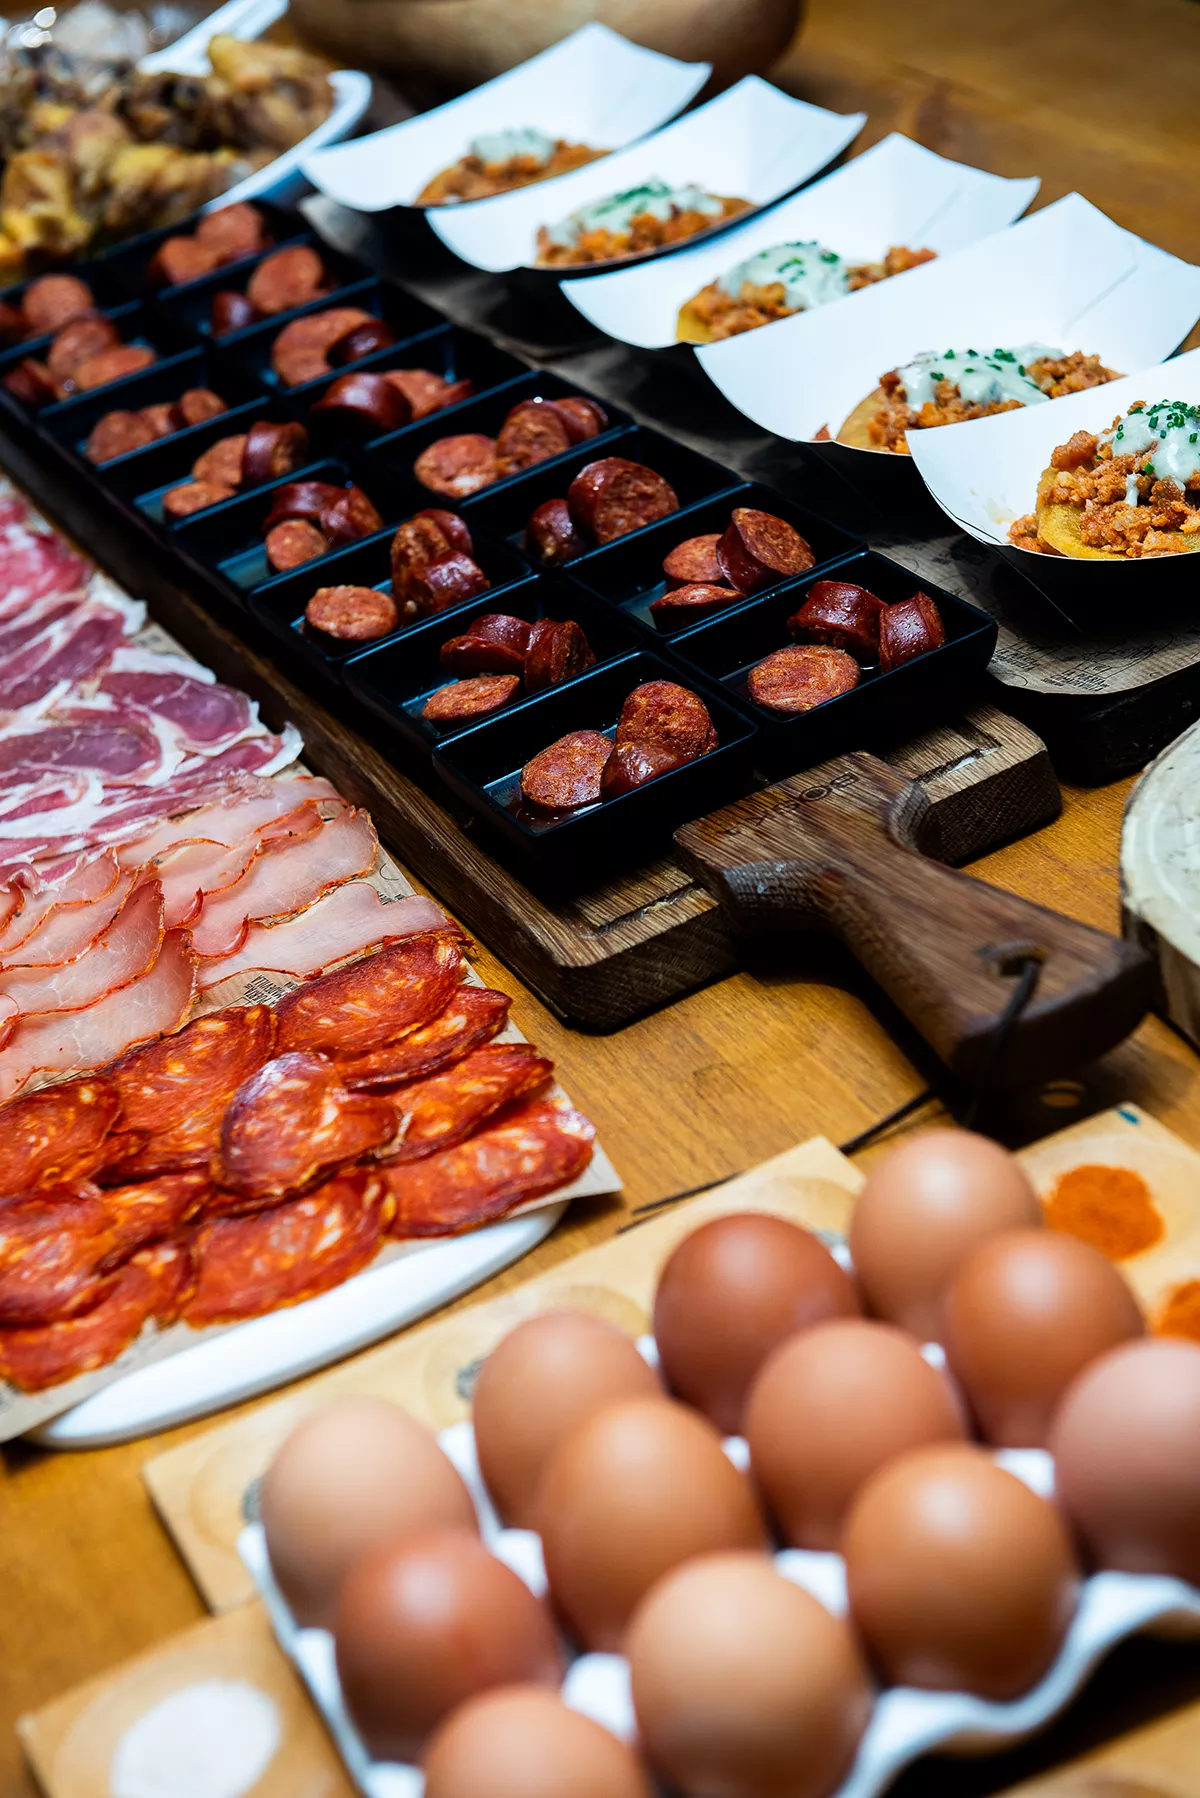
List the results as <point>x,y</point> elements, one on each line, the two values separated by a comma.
<point>551,536</point>
<point>193,496</point>
<point>292,543</point>
<point>113,365</point>
<point>447,582</point>
<point>633,765</point>
<point>681,606</point>
<point>221,462</point>
<point>53,301</point>
<point>449,1106</point>
<point>233,231</point>
<point>365,402</point>
<point>291,1123</point>
<point>418,542</point>
<point>464,700</point>
<point>301,499</point>
<point>77,342</point>
<point>231,311</point>
<point>541,1146</point>
<point>115,435</point>
<point>57,1135</point>
<point>474,1015</point>
<point>458,466</point>
<point>909,629</point>
<point>801,677</point>
<point>557,652</point>
<point>199,404</point>
<point>349,517</point>
<point>163,419</point>
<point>363,340</point>
<point>300,352</point>
<point>613,496</point>
<point>660,714</point>
<point>31,382</point>
<point>272,450</point>
<point>567,773</point>
<point>533,432</point>
<point>493,644</point>
<point>289,277</point>
<point>373,1001</point>
<point>758,549</point>
<point>180,259</point>
<point>694,561</point>
<point>842,614</point>
<point>352,614</point>
<point>454,529</point>
<point>427,392</point>
<point>584,418</point>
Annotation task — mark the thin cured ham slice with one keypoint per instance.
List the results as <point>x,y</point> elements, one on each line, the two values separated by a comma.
<point>351,919</point>
<point>126,949</point>
<point>191,872</point>
<point>36,619</point>
<point>89,879</point>
<point>301,823</point>
<point>287,874</point>
<point>205,715</point>
<point>77,1041</point>
<point>68,931</point>
<point>68,651</point>
<point>227,821</point>
<point>120,750</point>
<point>34,563</point>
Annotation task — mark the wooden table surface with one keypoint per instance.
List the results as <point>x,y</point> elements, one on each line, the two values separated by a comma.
<point>749,1066</point>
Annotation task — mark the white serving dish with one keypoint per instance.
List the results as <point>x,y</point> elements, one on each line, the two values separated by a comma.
<point>897,192</point>
<point>594,87</point>
<point>752,141</point>
<point>905,1724</point>
<point>1067,276</point>
<point>248,19</point>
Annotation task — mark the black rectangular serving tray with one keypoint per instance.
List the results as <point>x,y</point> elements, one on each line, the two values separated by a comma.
<point>395,677</point>
<point>902,702</point>
<point>483,767</point>
<point>408,317</point>
<point>628,573</point>
<point>279,604</point>
<point>137,323</point>
<point>126,262</point>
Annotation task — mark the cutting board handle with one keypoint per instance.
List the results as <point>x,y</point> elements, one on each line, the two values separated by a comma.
<point>846,848</point>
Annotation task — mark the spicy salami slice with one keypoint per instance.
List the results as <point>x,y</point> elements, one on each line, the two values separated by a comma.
<point>567,773</point>
<point>758,549</point>
<point>801,677</point>
<point>144,1211</point>
<point>150,1287</point>
<point>249,1265</point>
<point>52,1246</point>
<point>613,496</point>
<point>458,466</point>
<point>289,1125</point>
<point>551,536</point>
<point>662,715</point>
<point>842,614</point>
<point>534,431</point>
<point>57,1135</point>
<point>476,697</point>
<point>449,1106</point>
<point>540,1147</point>
<point>911,628</point>
<point>473,1017</point>
<point>373,1001</point>
<point>289,277</point>
<point>557,652</point>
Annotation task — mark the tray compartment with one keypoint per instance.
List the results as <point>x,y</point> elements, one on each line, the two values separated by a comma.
<point>408,317</point>
<point>137,323</point>
<point>192,301</point>
<point>449,351</point>
<point>125,263</point>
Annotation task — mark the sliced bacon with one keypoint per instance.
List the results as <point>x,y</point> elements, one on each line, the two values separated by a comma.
<point>68,931</point>
<point>287,874</point>
<point>346,922</point>
<point>127,948</point>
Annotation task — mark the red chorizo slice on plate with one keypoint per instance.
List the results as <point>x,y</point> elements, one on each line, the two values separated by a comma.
<point>493,643</point>
<point>663,715</point>
<point>557,652</point>
<point>842,614</point>
<point>233,231</point>
<point>289,1125</point>
<point>465,700</point>
<point>150,1287</point>
<point>113,365</point>
<point>163,419</point>
<point>363,340</point>
<point>541,1146</point>
<point>57,1135</point>
<point>231,311</point>
<point>351,614</point>
<point>373,1001</point>
<point>365,402</point>
<point>458,466</point>
<point>194,496</point>
<point>583,418</point>
<point>473,1016</point>
<point>349,517</point>
<point>272,450</point>
<point>116,434</point>
<point>53,301</point>
<point>758,549</point>
<point>694,561</point>
<point>180,259</point>
<point>448,1107</point>
<point>801,677</point>
<point>247,1266</point>
<point>447,582</point>
<point>295,541</point>
<point>53,1249</point>
<point>681,606</point>
<point>911,628</point>
<point>551,536</point>
<point>300,352</point>
<point>289,277</point>
<point>199,404</point>
<point>427,392</point>
<point>222,462</point>
<point>76,342</point>
<point>633,765</point>
<point>613,496</point>
<point>567,773</point>
<point>301,499</point>
<point>534,431</point>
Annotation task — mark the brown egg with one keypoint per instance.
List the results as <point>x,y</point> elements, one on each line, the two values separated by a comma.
<point>628,1495</point>
<point>744,1685</point>
<point>831,1407</point>
<point>353,1476</point>
<point>545,1377</point>
<point>523,1742</point>
<point>426,1623</point>
<point>960,1578</point>
<point>1126,1447</point>
<point>731,1291</point>
<point>922,1212</point>
<point>1027,1311</point>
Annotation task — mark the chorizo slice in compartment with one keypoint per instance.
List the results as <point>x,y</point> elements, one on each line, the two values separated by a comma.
<point>534,431</point>
<point>458,466</point>
<point>660,714</point>
<point>234,231</point>
<point>180,259</point>
<point>476,697</point>
<point>272,450</point>
<point>473,1017</point>
<point>194,496</point>
<point>199,404</point>
<point>426,392</point>
<point>164,419</point>
<point>694,561</point>
<point>449,1106</point>
<point>52,301</point>
<point>584,418</point>
<point>222,462</point>
<point>366,402</point>
<point>682,606</point>
<point>909,629</point>
<point>567,773</point>
<point>757,549</point>
<point>613,496</point>
<point>77,342</point>
<point>493,643</point>
<point>294,542</point>
<point>351,614</point>
<point>116,434</point>
<point>363,340</point>
<point>289,277</point>
<point>300,352</point>
<point>350,516</point>
<point>449,581</point>
<point>150,1287</point>
<point>31,382</point>
<point>373,1001</point>
<point>301,499</point>
<point>288,1126</point>
<point>634,764</point>
<point>418,542</point>
<point>113,365</point>
<point>557,652</point>
<point>231,311</point>
<point>551,536</point>
<point>841,614</point>
<point>801,677</point>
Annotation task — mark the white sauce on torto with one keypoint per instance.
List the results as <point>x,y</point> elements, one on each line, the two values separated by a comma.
<point>811,275</point>
<point>981,379</point>
<point>1171,429</point>
<point>496,147</point>
<point>616,212</point>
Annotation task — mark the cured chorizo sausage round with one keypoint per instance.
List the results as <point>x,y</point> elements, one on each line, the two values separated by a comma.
<point>116,434</point>
<point>583,418</point>
<point>351,614</point>
<point>272,451</point>
<point>911,628</point>
<point>373,1001</point>
<point>613,496</point>
<point>453,528</point>
<point>75,343</point>
<point>474,1015</point>
<point>502,627</point>
<point>418,542</point>
<point>365,402</point>
<point>193,496</point>
<point>231,311</point>
<point>758,549</point>
<point>445,583</point>
<point>427,392</point>
<point>293,542</point>
<point>566,774</point>
<point>556,653</point>
<point>349,517</point>
<point>492,644</point>
<point>463,700</point>
<point>551,536</point>
<point>300,353</point>
<point>842,614</point>
<point>233,231</point>
<point>31,382</point>
<point>362,341</point>
<point>694,561</point>
<point>458,466</point>
<point>180,259</point>
<point>534,431</point>
<point>112,365</point>
<point>287,278</point>
<point>53,301</point>
<point>681,606</point>
<point>163,420</point>
<point>634,764</point>
<point>199,404</point>
<point>801,677</point>
<point>663,715</point>
<point>301,499</point>
<point>221,462</point>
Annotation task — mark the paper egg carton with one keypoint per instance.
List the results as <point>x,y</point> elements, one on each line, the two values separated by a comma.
<point>905,1723</point>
